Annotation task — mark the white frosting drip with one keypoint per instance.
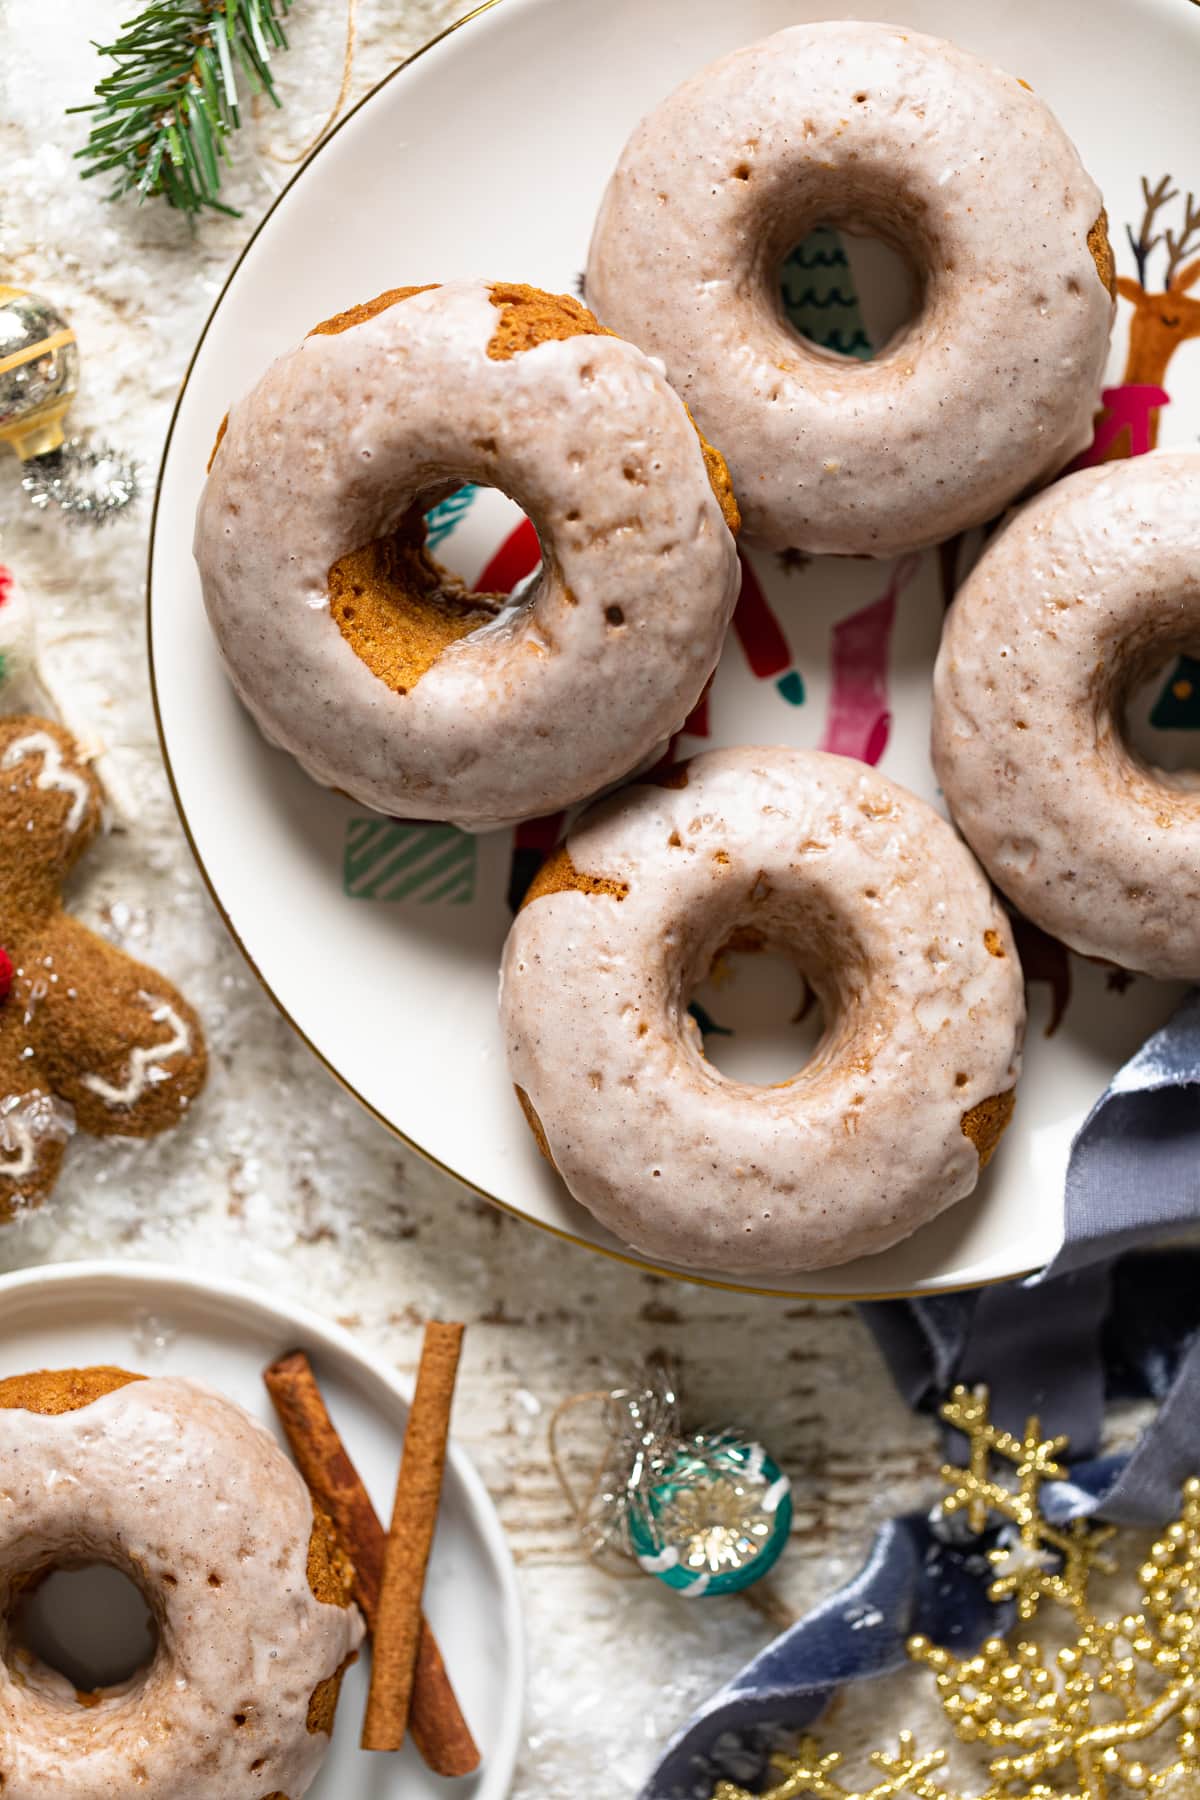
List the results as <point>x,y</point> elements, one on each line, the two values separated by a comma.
<point>993,385</point>
<point>886,912</point>
<point>54,775</point>
<point>167,1478</point>
<point>1093,582</point>
<point>146,1063</point>
<point>557,698</point>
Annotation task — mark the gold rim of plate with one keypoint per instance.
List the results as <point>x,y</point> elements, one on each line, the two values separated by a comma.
<point>643,1264</point>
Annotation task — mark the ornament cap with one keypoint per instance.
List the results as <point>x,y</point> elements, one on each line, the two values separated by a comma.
<point>38,435</point>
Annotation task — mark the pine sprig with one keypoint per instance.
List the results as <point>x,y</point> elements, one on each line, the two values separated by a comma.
<point>163,116</point>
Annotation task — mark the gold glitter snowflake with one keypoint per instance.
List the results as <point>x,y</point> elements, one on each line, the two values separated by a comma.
<point>1115,1711</point>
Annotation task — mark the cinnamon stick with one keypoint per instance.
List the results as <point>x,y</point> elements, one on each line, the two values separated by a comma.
<point>410,1540</point>
<point>436,1722</point>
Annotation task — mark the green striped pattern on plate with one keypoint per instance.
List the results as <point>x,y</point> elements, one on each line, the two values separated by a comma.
<point>428,864</point>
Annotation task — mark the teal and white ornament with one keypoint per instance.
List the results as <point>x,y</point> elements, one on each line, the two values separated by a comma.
<point>716,1520</point>
<point>705,1512</point>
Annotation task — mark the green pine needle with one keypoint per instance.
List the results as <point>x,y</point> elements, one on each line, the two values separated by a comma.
<point>163,116</point>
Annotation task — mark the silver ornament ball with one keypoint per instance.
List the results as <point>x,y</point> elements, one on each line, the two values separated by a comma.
<point>39,372</point>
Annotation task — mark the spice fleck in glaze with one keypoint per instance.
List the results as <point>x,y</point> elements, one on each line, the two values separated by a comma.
<point>991,387</point>
<point>183,1491</point>
<point>357,653</point>
<point>1091,589</point>
<point>891,922</point>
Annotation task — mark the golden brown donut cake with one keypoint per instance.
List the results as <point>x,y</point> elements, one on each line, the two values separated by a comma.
<point>989,389</point>
<point>362,656</point>
<point>894,927</point>
<point>180,1489</point>
<point>1088,591</point>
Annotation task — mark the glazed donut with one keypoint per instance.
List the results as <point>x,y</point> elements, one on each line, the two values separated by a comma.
<point>893,926</point>
<point>1088,591</point>
<point>357,652</point>
<point>992,386</point>
<point>181,1490</point>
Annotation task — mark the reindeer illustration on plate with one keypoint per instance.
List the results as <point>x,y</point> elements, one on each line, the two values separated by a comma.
<point>1163,319</point>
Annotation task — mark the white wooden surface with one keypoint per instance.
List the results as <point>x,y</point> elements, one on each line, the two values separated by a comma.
<point>279,1177</point>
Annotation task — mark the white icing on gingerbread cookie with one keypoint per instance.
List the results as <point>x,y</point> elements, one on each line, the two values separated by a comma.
<point>54,774</point>
<point>27,1121</point>
<point>146,1063</point>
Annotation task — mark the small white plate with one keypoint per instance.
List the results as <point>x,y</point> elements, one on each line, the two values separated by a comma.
<point>155,1322</point>
<point>487,156</point>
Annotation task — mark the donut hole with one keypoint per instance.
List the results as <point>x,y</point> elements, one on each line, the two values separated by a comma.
<point>404,598</point>
<point>848,292</point>
<point>1160,714</point>
<point>759,1018</point>
<point>482,536</point>
<point>86,1623</point>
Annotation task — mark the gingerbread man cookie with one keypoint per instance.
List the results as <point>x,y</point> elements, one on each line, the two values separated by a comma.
<point>90,1040</point>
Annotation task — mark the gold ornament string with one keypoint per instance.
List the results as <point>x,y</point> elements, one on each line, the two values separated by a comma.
<point>343,94</point>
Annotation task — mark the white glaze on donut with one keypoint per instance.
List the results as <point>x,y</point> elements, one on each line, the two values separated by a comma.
<point>895,927</point>
<point>184,1491</point>
<point>560,696</point>
<point>992,387</point>
<point>1092,586</point>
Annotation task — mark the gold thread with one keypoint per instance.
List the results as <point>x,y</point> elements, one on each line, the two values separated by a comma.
<point>617,1569</point>
<point>298,156</point>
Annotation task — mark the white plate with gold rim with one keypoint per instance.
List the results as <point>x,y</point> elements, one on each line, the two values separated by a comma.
<point>486,155</point>
<point>153,1321</point>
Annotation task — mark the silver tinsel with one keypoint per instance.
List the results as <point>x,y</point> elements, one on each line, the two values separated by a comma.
<point>89,482</point>
<point>642,1432</point>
